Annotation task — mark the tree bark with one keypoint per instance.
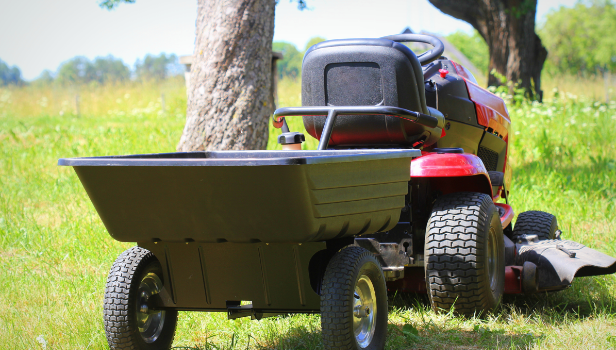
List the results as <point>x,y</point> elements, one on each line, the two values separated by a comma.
<point>229,99</point>
<point>508,27</point>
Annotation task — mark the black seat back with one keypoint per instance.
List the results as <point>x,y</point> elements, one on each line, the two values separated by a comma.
<point>364,72</point>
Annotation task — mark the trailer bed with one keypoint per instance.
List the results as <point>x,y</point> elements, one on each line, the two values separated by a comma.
<point>247,196</point>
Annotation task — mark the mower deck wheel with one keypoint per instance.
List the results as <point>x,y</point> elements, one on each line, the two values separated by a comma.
<point>354,301</point>
<point>136,278</point>
<point>465,254</point>
<point>539,223</point>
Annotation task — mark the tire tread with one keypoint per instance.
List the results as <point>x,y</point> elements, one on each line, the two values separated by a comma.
<point>453,251</point>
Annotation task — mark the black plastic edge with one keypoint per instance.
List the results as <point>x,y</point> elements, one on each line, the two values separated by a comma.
<point>226,158</point>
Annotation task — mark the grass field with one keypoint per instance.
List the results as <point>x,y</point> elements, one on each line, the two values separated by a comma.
<point>55,253</point>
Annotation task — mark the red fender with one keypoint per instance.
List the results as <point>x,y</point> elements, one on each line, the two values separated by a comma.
<point>453,172</point>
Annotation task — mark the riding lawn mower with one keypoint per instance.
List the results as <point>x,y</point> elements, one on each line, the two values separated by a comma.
<point>404,193</point>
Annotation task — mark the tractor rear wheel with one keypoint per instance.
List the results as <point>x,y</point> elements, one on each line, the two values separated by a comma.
<point>539,223</point>
<point>354,301</point>
<point>464,254</point>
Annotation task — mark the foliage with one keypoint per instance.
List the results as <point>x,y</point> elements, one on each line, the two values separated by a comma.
<point>473,47</point>
<point>580,39</point>
<point>45,78</point>
<point>291,64</point>
<point>9,75</point>
<point>111,4</point>
<point>313,41</point>
<point>157,67</point>
<point>55,252</point>
<point>80,70</point>
<point>523,8</point>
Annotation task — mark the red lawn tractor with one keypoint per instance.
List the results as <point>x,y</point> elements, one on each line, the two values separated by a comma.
<point>402,194</point>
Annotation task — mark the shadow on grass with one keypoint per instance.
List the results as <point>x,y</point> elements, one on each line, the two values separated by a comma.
<point>447,331</point>
<point>296,338</point>
<point>587,298</point>
<point>428,337</point>
<point>507,327</point>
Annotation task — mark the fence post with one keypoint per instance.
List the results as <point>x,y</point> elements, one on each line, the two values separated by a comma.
<point>606,79</point>
<point>77,111</point>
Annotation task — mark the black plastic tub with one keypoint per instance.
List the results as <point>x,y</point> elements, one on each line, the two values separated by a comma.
<point>246,196</point>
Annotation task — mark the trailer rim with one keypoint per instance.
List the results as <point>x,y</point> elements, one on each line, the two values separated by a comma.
<point>364,309</point>
<point>149,322</point>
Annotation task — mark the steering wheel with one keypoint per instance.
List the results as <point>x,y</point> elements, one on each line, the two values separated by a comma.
<point>427,56</point>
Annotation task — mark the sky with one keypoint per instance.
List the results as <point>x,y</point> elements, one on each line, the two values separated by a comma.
<point>41,34</point>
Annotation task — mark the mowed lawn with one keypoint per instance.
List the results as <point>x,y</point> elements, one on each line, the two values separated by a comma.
<point>55,253</point>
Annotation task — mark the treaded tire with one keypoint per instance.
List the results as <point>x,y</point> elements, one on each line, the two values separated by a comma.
<point>539,223</point>
<point>346,271</point>
<point>465,254</point>
<point>121,303</point>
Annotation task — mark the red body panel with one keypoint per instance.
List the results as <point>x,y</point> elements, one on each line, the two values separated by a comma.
<point>452,172</point>
<point>506,219</point>
<point>447,165</point>
<point>491,109</point>
<point>414,281</point>
<point>513,280</point>
<point>491,113</point>
<point>463,72</point>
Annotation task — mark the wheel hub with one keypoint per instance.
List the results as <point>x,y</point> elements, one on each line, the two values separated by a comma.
<point>364,311</point>
<point>150,322</point>
<point>492,259</point>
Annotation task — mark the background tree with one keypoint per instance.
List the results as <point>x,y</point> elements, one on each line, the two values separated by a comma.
<point>473,47</point>
<point>508,27</point>
<point>9,75</point>
<point>228,97</point>
<point>80,70</point>
<point>110,69</point>
<point>77,70</point>
<point>313,41</point>
<point>157,67</point>
<point>581,39</point>
<point>291,64</point>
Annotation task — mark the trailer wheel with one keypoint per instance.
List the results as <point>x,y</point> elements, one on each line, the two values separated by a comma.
<point>135,278</point>
<point>354,301</point>
<point>539,223</point>
<point>465,254</point>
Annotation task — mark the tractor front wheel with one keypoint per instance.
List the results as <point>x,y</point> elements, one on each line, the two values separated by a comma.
<point>465,254</point>
<point>543,225</point>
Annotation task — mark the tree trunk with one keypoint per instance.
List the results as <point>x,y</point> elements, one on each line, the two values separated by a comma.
<point>508,27</point>
<point>229,95</point>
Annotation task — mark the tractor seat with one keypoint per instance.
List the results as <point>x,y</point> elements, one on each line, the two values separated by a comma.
<point>366,72</point>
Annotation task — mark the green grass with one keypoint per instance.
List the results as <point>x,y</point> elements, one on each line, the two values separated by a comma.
<point>55,253</point>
